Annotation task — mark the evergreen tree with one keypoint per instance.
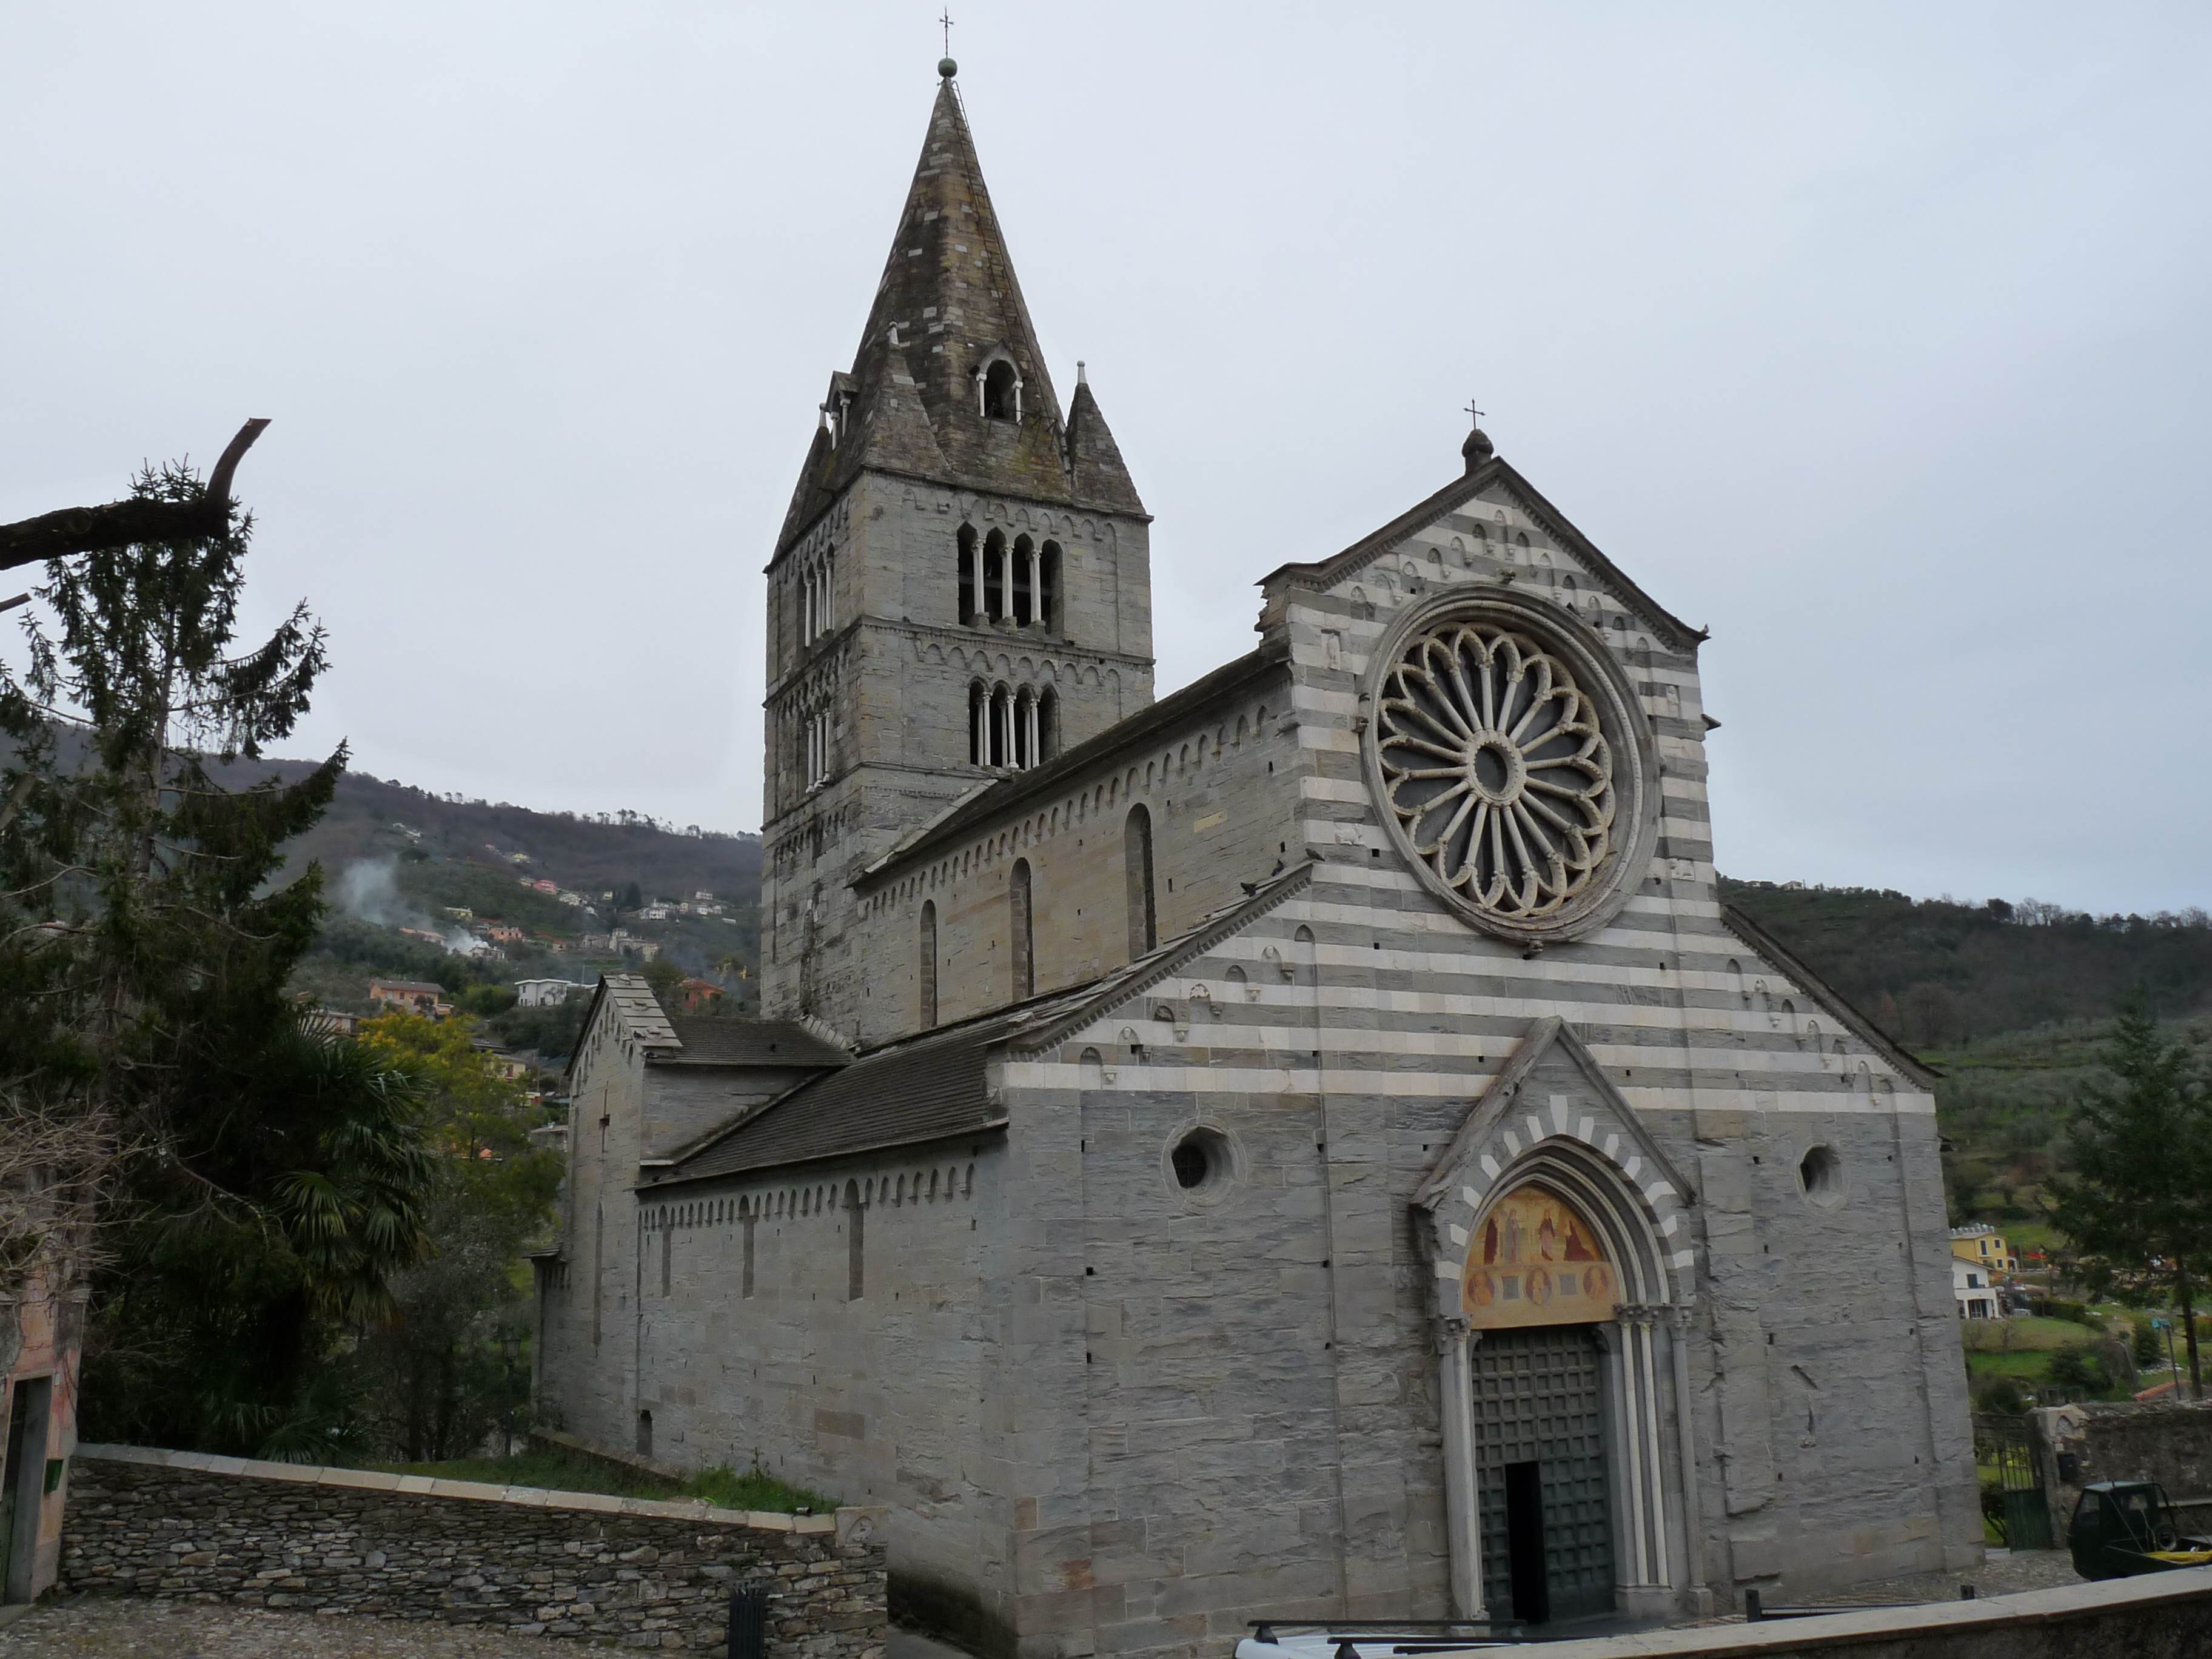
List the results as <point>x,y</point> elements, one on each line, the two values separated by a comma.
<point>434,1381</point>
<point>2138,1203</point>
<point>260,1178</point>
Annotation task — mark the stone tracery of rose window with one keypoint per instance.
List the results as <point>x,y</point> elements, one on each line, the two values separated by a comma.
<point>1495,768</point>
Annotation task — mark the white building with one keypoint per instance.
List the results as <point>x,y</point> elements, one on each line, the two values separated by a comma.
<point>546,993</point>
<point>1977,1297</point>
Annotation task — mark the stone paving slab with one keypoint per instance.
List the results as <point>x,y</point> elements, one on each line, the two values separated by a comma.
<point>114,1626</point>
<point>2004,1572</point>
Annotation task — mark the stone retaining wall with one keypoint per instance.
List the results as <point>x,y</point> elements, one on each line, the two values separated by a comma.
<point>2166,1440</point>
<point>642,1573</point>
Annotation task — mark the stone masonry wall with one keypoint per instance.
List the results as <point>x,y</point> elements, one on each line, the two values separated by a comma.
<point>1220,794</point>
<point>579,1564</point>
<point>2168,1443</point>
<point>755,1346</point>
<point>894,675</point>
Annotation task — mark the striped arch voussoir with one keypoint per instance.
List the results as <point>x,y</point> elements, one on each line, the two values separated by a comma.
<point>1577,1135</point>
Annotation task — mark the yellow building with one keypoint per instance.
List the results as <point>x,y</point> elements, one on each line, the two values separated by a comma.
<point>1984,1244</point>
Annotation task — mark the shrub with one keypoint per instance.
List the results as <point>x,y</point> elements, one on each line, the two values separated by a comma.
<point>2080,1372</point>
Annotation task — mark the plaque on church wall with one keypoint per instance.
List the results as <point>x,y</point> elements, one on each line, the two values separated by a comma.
<point>1536,1261</point>
<point>1513,765</point>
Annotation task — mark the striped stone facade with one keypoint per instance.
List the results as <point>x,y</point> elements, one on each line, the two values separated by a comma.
<point>1127,1260</point>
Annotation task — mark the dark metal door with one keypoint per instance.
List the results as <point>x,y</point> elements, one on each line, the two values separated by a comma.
<point>1538,1398</point>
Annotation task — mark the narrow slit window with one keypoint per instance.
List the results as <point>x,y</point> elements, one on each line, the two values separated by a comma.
<point>928,945</point>
<point>856,1220</point>
<point>748,1216</point>
<point>1024,953</point>
<point>1137,859</point>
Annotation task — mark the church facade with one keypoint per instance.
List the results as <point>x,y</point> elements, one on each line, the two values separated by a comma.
<point>1314,1144</point>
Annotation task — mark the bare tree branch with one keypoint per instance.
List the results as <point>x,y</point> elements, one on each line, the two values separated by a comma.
<point>118,524</point>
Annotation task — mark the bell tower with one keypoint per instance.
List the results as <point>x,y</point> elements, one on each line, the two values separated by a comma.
<point>962,586</point>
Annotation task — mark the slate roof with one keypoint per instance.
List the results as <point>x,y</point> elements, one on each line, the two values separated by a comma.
<point>748,1043</point>
<point>950,298</point>
<point>936,1085</point>
<point>925,1088</point>
<point>984,805</point>
<point>640,1009</point>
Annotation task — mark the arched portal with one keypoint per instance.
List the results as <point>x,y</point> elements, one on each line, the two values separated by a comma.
<point>1561,1255</point>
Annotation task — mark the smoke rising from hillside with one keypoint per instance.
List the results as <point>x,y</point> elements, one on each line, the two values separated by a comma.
<point>369,890</point>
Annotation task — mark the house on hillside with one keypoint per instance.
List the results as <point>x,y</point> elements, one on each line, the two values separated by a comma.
<point>508,1067</point>
<point>1971,1287</point>
<point>1984,1244</point>
<point>412,996</point>
<point>544,886</point>
<point>546,993</point>
<point>500,933</point>
<point>696,996</point>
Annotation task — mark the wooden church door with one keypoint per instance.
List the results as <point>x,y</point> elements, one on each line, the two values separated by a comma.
<point>1540,1465</point>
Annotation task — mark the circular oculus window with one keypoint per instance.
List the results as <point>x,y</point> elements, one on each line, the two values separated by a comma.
<point>1508,767</point>
<point>1820,1176</point>
<point>1202,1164</point>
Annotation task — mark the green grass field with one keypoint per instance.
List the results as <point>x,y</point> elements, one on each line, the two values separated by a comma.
<point>2025,1335</point>
<point>2025,1366</point>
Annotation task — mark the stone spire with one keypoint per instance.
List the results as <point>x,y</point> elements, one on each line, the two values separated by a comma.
<point>947,309</point>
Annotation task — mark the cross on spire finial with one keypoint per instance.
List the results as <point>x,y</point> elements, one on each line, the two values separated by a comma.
<point>947,20</point>
<point>1478,448</point>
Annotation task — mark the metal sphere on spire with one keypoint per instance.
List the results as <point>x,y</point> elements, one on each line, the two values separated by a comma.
<point>947,67</point>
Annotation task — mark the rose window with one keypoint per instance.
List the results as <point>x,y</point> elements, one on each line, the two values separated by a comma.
<point>1495,768</point>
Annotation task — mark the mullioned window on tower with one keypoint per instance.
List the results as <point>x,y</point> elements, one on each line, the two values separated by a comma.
<point>1003,581</point>
<point>1012,728</point>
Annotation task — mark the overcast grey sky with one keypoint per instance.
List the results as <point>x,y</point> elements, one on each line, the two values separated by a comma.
<point>1874,337</point>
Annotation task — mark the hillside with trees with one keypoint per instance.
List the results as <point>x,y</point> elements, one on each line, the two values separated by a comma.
<point>452,891</point>
<point>581,850</point>
<point>2013,1003</point>
<point>1937,973</point>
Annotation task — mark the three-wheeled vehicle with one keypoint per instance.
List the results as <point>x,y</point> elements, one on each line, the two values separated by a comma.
<point>2122,1527</point>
